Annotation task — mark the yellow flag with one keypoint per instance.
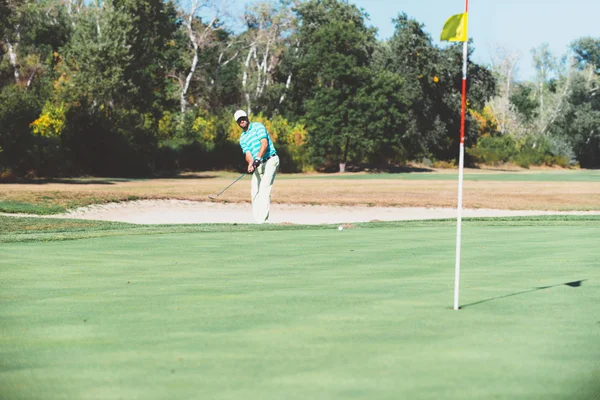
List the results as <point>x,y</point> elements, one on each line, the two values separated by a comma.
<point>455,28</point>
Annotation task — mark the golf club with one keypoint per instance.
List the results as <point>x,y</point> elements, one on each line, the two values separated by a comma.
<point>214,197</point>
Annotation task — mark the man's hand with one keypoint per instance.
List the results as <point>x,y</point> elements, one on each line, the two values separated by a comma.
<point>252,167</point>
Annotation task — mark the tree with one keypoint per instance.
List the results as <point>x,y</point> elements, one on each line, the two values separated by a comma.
<point>201,36</point>
<point>113,80</point>
<point>433,82</point>
<point>524,101</point>
<point>32,31</point>
<point>544,63</point>
<point>31,34</point>
<point>97,57</point>
<point>331,70</point>
<point>587,53</point>
<point>116,57</point>
<point>154,23</point>
<point>504,64</point>
<point>4,15</point>
<point>579,120</point>
<point>270,25</point>
<point>385,106</point>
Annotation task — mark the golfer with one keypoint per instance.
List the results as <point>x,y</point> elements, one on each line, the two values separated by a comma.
<point>263,163</point>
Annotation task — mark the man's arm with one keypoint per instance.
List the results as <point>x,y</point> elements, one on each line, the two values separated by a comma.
<point>264,143</point>
<point>261,152</point>
<point>249,160</point>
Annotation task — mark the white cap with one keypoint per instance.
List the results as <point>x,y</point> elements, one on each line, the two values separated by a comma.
<point>239,114</point>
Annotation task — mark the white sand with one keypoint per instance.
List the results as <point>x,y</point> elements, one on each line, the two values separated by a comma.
<point>192,212</point>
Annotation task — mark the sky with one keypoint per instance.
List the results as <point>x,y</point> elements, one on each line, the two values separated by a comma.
<point>515,25</point>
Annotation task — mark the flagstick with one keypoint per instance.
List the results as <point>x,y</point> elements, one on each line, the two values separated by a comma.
<point>461,164</point>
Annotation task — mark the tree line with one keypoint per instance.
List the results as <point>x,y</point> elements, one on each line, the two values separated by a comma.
<point>144,87</point>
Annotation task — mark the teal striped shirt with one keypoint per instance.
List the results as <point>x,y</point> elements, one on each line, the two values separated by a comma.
<point>250,140</point>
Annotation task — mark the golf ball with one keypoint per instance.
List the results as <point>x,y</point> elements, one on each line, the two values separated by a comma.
<point>340,228</point>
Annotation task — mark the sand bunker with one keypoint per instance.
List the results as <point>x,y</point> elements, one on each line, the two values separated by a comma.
<point>192,212</point>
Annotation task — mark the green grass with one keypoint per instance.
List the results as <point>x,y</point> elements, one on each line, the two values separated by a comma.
<point>231,312</point>
<point>47,206</point>
<point>18,207</point>
<point>33,229</point>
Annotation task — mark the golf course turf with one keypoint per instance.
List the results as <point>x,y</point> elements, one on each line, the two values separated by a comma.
<point>255,312</point>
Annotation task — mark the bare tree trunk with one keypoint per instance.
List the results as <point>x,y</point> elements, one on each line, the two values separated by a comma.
<point>345,156</point>
<point>198,41</point>
<point>504,63</point>
<point>541,102</point>
<point>273,22</point>
<point>222,64</point>
<point>70,12</point>
<point>507,100</point>
<point>288,83</point>
<point>245,77</point>
<point>31,78</point>
<point>287,86</point>
<point>13,60</point>
<point>565,93</point>
<point>544,62</point>
<point>263,68</point>
<point>99,6</point>
<point>188,79</point>
<point>258,73</point>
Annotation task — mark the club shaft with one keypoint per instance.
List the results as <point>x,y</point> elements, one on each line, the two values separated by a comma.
<point>231,184</point>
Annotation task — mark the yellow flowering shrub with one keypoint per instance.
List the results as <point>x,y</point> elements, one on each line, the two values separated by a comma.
<point>289,139</point>
<point>298,135</point>
<point>268,125</point>
<point>234,132</point>
<point>486,121</point>
<point>51,122</point>
<point>206,127</point>
<point>166,126</point>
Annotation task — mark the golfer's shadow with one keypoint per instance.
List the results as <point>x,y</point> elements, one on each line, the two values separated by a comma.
<point>571,284</point>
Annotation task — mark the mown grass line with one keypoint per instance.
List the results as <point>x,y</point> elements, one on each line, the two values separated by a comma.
<point>32,229</point>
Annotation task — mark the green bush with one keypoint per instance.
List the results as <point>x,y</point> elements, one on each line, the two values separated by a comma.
<point>111,142</point>
<point>538,150</point>
<point>19,109</point>
<point>524,152</point>
<point>21,152</point>
<point>494,150</point>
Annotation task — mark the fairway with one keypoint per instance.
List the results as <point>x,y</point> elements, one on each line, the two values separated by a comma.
<point>557,190</point>
<point>362,313</point>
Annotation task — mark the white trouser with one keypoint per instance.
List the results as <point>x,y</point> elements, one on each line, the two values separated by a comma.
<point>262,182</point>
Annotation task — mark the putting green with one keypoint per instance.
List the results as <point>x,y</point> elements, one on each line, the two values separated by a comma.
<point>306,313</point>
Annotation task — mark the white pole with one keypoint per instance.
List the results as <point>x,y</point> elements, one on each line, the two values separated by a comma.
<point>459,224</point>
<point>461,164</point>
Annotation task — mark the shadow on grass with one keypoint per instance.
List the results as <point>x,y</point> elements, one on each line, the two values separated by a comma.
<point>188,176</point>
<point>570,284</point>
<point>374,169</point>
<point>486,168</point>
<point>107,181</point>
<point>74,181</point>
<point>403,169</point>
<point>392,169</point>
